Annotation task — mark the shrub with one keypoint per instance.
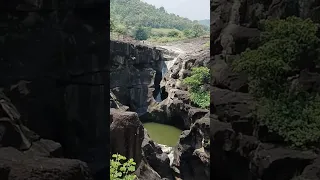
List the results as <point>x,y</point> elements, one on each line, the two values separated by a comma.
<point>141,33</point>
<point>296,120</point>
<point>198,95</point>
<point>288,46</point>
<point>173,34</point>
<point>121,171</point>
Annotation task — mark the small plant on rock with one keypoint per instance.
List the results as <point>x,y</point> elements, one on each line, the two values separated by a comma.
<point>198,94</point>
<point>121,171</point>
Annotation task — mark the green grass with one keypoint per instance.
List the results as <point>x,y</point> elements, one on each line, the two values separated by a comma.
<point>165,39</point>
<point>161,35</point>
<point>162,30</point>
<point>163,134</point>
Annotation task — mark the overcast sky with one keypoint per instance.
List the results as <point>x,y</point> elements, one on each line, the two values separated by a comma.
<point>191,9</point>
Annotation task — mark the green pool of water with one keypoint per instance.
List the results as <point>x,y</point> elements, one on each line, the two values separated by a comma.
<point>163,134</point>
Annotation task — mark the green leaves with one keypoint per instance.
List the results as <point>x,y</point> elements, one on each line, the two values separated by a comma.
<point>288,46</point>
<point>195,82</point>
<point>141,33</point>
<point>298,122</point>
<point>121,171</point>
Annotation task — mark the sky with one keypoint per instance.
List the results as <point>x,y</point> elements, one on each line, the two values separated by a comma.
<point>191,9</point>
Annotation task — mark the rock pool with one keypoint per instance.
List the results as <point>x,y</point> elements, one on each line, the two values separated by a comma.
<point>163,134</point>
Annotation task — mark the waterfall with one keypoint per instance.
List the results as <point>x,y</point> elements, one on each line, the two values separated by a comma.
<point>165,66</point>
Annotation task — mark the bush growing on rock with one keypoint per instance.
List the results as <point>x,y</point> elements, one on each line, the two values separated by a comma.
<point>198,94</point>
<point>121,171</point>
<point>288,47</point>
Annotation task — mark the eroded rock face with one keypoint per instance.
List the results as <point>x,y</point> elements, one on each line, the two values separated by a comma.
<point>134,70</point>
<point>240,149</point>
<point>176,109</point>
<point>192,154</point>
<point>54,69</point>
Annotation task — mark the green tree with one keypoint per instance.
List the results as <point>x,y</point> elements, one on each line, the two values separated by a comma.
<point>141,33</point>
<point>137,13</point>
<point>187,32</point>
<point>196,85</point>
<point>121,30</point>
<point>288,46</point>
<point>121,171</point>
<point>197,30</point>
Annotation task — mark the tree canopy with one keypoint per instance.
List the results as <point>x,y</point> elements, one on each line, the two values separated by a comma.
<point>135,13</point>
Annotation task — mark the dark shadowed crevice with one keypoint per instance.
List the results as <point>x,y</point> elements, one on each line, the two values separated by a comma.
<point>156,92</point>
<point>285,169</point>
<point>178,122</point>
<point>163,93</point>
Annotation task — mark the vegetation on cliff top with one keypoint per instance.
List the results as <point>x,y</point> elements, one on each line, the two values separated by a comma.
<point>143,21</point>
<point>199,94</point>
<point>120,169</point>
<point>288,47</point>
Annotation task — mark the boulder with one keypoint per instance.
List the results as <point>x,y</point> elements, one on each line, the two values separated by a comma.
<point>191,156</point>
<point>23,167</point>
<point>126,134</point>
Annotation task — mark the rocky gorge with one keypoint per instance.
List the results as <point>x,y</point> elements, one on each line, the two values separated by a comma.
<point>136,80</point>
<point>240,149</point>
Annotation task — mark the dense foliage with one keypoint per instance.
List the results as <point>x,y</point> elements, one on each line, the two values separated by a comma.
<point>137,13</point>
<point>121,171</point>
<point>134,14</point>
<point>198,94</point>
<point>288,46</point>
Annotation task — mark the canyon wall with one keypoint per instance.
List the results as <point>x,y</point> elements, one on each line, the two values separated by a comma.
<point>135,74</point>
<point>54,68</point>
<point>240,150</point>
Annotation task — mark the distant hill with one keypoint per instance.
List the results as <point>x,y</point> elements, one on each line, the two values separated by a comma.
<point>205,22</point>
<point>134,13</point>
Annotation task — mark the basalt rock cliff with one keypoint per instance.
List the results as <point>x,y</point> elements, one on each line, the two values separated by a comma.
<point>239,151</point>
<point>53,69</point>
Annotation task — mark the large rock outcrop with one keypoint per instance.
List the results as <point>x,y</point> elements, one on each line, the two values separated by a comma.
<point>54,68</point>
<point>241,150</point>
<point>192,154</point>
<point>176,108</point>
<point>135,71</point>
<point>130,139</point>
<point>24,155</point>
